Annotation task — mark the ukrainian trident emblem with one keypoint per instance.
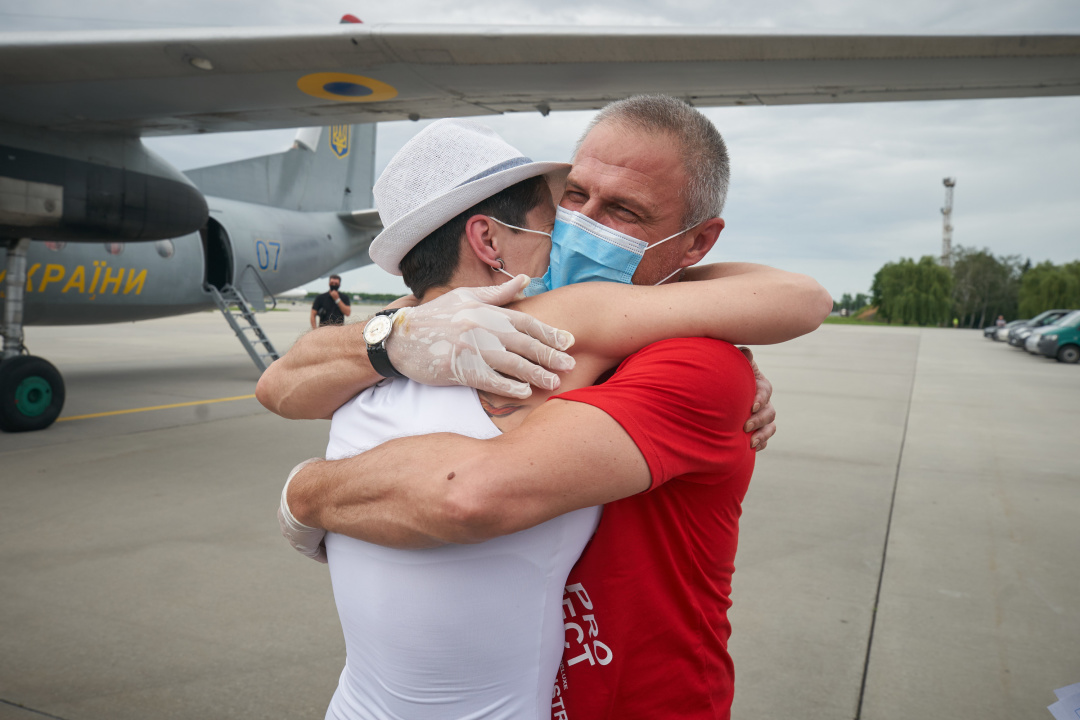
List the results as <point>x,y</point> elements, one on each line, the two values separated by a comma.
<point>339,139</point>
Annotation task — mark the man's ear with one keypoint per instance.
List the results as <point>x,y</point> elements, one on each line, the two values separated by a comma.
<point>480,236</point>
<point>705,237</point>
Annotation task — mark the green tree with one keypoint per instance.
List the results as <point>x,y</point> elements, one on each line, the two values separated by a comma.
<point>913,293</point>
<point>1047,286</point>
<point>985,286</point>
<point>851,304</point>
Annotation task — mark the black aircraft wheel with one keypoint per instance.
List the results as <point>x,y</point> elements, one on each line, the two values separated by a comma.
<point>31,394</point>
<point>1069,354</point>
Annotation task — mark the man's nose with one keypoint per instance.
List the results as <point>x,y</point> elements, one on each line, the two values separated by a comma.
<point>594,210</point>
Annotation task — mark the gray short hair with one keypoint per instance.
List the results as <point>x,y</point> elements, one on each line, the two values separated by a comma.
<point>705,155</point>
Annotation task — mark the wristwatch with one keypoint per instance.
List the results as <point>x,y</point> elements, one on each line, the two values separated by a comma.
<point>376,332</point>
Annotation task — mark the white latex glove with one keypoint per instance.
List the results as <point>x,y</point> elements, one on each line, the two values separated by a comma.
<point>307,540</point>
<point>462,338</point>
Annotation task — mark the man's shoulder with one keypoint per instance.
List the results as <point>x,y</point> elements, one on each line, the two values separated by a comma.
<point>695,351</point>
<point>696,371</point>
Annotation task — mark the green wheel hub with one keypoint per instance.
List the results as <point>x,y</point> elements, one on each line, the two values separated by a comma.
<point>33,396</point>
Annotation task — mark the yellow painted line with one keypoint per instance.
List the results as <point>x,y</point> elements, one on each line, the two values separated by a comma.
<point>155,407</point>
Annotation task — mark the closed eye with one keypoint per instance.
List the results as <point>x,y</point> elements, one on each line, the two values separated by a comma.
<point>625,214</point>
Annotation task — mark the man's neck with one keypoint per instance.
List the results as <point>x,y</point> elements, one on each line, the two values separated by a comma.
<point>433,293</point>
<point>476,276</point>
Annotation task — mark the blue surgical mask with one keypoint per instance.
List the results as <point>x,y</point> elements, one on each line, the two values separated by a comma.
<point>583,250</point>
<point>536,286</point>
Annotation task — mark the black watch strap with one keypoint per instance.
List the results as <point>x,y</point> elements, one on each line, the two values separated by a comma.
<point>377,355</point>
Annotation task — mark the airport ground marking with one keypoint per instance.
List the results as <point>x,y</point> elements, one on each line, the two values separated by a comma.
<point>155,407</point>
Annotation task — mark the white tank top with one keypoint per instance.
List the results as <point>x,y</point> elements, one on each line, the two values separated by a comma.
<point>460,631</point>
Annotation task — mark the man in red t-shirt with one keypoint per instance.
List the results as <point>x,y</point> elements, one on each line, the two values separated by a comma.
<point>661,444</point>
<point>645,608</point>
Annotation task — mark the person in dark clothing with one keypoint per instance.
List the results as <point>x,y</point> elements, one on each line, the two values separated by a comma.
<point>331,308</point>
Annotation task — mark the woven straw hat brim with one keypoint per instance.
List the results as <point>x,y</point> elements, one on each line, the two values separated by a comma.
<point>401,236</point>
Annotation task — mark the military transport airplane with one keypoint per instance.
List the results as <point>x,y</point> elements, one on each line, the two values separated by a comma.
<point>99,229</point>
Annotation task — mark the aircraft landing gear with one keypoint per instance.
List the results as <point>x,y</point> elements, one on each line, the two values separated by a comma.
<point>31,394</point>
<point>31,389</point>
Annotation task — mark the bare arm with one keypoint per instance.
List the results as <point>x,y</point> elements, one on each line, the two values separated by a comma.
<point>313,324</point>
<point>494,349</point>
<point>321,372</point>
<point>740,303</point>
<point>425,490</point>
<point>433,489</point>
<point>715,271</point>
<point>737,302</point>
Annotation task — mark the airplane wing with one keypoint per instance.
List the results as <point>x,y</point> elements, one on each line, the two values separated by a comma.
<point>190,81</point>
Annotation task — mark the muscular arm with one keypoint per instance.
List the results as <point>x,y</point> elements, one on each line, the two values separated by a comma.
<point>433,489</point>
<point>321,371</point>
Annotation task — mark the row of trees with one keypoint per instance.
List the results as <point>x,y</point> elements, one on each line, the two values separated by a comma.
<point>913,293</point>
<point>986,286</point>
<point>980,287</point>
<point>1047,286</point>
<point>851,304</point>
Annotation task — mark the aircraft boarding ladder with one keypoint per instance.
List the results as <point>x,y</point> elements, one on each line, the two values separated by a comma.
<point>245,325</point>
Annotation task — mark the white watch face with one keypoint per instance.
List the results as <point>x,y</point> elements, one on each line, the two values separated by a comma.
<point>377,329</point>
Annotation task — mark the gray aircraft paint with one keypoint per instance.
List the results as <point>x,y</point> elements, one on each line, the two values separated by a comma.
<point>91,187</point>
<point>164,82</point>
<point>299,179</point>
<point>312,230</point>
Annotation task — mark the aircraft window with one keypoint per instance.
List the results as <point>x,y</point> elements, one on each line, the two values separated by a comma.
<point>114,248</point>
<point>165,248</point>
<point>55,245</point>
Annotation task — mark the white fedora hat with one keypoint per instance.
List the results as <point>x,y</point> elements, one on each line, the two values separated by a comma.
<point>447,168</point>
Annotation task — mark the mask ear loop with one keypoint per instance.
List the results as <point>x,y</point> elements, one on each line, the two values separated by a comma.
<point>669,237</point>
<point>677,271</point>
<point>521,229</point>
<point>502,267</point>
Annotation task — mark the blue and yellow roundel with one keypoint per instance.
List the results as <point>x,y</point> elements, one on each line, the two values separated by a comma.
<point>343,87</point>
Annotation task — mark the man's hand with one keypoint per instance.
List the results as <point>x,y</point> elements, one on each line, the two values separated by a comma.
<point>335,294</point>
<point>306,540</point>
<point>461,338</point>
<point>763,418</point>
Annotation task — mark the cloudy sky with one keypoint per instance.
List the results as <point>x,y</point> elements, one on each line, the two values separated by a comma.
<point>833,191</point>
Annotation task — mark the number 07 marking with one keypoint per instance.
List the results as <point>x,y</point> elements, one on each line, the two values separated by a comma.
<point>263,252</point>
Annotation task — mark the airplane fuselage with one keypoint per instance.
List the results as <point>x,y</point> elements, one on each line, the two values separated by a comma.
<point>260,249</point>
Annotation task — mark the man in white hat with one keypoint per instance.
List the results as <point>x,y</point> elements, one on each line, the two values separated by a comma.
<point>708,397</point>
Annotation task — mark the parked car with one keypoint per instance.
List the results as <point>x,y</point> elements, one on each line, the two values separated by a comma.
<point>1019,334</point>
<point>1062,341</point>
<point>1002,333</point>
<point>1031,342</point>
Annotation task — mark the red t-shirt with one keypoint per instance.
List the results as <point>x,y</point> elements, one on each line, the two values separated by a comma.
<point>645,608</point>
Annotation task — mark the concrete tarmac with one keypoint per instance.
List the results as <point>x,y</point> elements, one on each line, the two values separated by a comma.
<point>908,546</point>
